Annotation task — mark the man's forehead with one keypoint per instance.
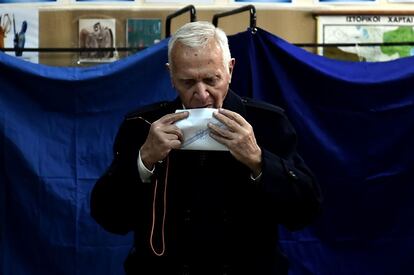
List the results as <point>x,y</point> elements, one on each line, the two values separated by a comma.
<point>211,45</point>
<point>196,75</point>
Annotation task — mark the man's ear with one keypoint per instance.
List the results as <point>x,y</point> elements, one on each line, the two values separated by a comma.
<point>231,67</point>
<point>168,67</point>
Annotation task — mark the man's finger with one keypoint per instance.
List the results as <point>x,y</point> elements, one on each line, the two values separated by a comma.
<point>217,130</point>
<point>233,116</point>
<point>231,124</point>
<point>220,139</point>
<point>172,129</point>
<point>175,144</point>
<point>172,118</point>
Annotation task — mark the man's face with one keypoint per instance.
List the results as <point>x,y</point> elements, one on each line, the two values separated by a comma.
<point>200,76</point>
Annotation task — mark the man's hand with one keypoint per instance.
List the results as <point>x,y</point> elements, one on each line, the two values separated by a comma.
<point>162,137</point>
<point>239,138</point>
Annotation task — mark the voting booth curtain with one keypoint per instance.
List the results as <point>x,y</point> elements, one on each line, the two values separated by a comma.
<point>354,122</point>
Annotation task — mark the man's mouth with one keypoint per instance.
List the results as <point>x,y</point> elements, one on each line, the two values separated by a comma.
<point>205,106</point>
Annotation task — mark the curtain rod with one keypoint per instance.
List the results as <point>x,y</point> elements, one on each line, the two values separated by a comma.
<point>123,49</point>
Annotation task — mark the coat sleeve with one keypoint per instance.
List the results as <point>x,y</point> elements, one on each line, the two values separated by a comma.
<point>118,194</point>
<point>290,190</point>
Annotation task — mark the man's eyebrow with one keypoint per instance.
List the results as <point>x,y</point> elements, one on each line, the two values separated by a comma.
<point>186,79</point>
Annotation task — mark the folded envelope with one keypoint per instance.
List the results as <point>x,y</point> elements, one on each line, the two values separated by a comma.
<point>195,130</point>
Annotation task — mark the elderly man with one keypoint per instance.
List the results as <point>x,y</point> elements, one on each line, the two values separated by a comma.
<point>205,211</point>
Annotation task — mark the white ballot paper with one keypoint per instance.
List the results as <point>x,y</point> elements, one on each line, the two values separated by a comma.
<point>195,130</point>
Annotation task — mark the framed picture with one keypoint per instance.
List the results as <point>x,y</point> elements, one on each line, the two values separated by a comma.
<point>358,30</point>
<point>97,34</point>
<point>142,33</point>
<point>19,29</point>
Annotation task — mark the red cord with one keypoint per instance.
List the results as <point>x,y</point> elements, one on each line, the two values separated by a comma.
<point>163,216</point>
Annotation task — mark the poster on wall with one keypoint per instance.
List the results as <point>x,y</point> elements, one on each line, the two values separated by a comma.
<point>358,29</point>
<point>142,33</point>
<point>97,34</point>
<point>19,29</point>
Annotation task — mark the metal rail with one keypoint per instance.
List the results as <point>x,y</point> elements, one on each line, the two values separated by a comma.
<point>249,8</point>
<point>125,49</point>
<point>77,50</point>
<point>189,8</point>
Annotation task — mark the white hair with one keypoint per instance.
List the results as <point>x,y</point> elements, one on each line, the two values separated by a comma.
<point>199,34</point>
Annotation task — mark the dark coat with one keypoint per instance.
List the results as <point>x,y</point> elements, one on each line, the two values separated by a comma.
<point>218,221</point>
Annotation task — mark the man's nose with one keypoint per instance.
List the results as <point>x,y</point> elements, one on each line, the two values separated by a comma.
<point>201,91</point>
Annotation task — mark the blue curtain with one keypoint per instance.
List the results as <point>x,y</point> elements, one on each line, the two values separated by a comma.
<point>57,127</point>
<point>355,126</point>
